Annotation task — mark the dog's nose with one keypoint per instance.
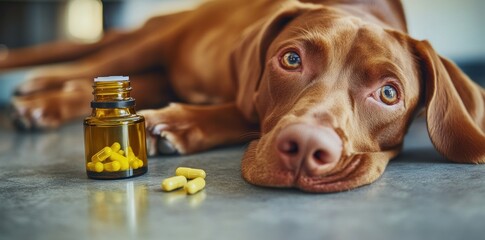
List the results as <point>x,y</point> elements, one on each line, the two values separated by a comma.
<point>310,148</point>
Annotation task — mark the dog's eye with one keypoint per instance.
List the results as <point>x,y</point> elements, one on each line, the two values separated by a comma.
<point>389,95</point>
<point>290,61</point>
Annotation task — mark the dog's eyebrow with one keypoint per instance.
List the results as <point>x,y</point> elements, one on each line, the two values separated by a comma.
<point>315,39</point>
<point>384,67</point>
<point>310,37</point>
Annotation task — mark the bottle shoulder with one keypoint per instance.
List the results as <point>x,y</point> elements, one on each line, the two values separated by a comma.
<point>114,120</point>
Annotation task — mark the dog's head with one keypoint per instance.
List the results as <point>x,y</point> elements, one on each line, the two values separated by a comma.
<point>334,96</point>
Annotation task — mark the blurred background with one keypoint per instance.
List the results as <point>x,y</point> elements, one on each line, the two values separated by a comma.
<point>455,28</point>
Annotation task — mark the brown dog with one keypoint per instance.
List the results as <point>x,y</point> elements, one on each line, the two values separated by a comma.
<point>328,88</point>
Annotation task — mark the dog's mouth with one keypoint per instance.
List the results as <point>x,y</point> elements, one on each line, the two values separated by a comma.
<point>263,165</point>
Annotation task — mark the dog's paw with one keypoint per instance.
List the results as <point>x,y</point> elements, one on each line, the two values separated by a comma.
<point>26,114</point>
<point>156,144</point>
<point>172,129</point>
<point>50,109</point>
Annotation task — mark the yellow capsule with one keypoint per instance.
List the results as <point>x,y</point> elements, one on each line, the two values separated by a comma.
<point>140,163</point>
<point>131,155</point>
<point>190,173</point>
<point>98,167</point>
<point>112,166</point>
<point>116,147</point>
<point>102,155</point>
<point>117,157</point>
<point>195,185</point>
<point>124,165</point>
<point>122,160</point>
<point>90,166</point>
<point>134,164</point>
<point>173,183</point>
<point>95,167</point>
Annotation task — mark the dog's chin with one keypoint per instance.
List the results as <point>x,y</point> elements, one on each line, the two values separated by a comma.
<point>261,167</point>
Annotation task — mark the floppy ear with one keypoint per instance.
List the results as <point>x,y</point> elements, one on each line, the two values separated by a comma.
<point>248,58</point>
<point>455,108</point>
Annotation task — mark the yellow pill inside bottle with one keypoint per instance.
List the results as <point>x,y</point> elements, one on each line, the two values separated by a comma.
<point>117,157</point>
<point>102,155</point>
<point>116,146</point>
<point>124,165</point>
<point>112,166</point>
<point>134,164</point>
<point>98,167</point>
<point>130,155</point>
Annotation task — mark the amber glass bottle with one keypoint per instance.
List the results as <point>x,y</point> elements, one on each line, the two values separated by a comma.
<point>114,135</point>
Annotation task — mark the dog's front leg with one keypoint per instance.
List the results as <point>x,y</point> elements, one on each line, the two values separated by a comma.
<point>194,128</point>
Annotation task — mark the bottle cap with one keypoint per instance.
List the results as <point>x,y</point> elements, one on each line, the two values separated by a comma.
<point>111,79</point>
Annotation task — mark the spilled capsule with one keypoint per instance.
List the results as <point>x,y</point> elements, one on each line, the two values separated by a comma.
<point>173,183</point>
<point>195,185</point>
<point>190,173</point>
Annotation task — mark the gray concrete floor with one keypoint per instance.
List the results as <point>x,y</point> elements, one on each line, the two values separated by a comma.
<point>45,194</point>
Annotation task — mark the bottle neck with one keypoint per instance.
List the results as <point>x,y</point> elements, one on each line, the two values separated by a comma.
<point>112,91</point>
<point>112,99</point>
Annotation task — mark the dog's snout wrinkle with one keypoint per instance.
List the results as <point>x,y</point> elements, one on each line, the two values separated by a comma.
<point>308,149</point>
